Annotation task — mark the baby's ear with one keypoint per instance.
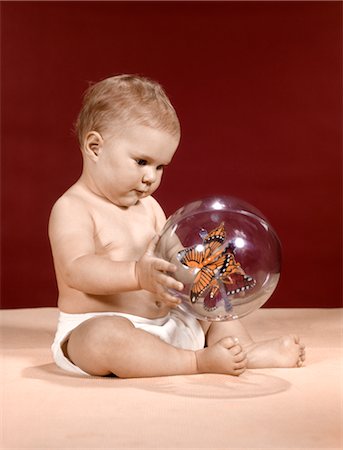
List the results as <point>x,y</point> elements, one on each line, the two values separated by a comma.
<point>93,145</point>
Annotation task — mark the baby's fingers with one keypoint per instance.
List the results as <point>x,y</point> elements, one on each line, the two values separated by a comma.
<point>164,266</point>
<point>169,299</point>
<point>169,282</point>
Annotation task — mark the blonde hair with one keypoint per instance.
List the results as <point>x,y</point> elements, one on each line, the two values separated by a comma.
<point>126,99</point>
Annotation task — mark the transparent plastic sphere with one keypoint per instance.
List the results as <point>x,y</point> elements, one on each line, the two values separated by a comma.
<point>227,256</point>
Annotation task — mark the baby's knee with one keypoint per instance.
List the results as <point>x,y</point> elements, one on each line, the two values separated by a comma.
<point>108,328</point>
<point>91,343</point>
<point>97,332</point>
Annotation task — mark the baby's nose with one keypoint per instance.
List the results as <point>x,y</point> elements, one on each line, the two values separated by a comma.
<point>149,175</point>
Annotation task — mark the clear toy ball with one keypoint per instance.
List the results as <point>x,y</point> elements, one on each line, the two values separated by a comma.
<point>227,255</point>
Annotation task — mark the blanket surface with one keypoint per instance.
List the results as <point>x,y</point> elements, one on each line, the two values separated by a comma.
<point>45,408</point>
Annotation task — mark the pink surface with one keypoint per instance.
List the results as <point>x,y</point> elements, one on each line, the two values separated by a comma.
<point>46,408</point>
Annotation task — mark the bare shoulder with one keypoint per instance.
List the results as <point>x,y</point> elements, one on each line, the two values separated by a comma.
<point>156,211</point>
<point>69,211</point>
<point>71,199</point>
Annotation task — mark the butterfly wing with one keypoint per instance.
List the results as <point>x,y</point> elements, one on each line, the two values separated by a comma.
<point>239,283</point>
<point>234,277</point>
<point>214,267</point>
<point>202,254</point>
<point>210,302</point>
<point>191,257</point>
<point>206,278</point>
<point>201,283</point>
<point>215,238</point>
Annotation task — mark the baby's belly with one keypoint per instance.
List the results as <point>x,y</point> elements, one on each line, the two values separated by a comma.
<point>139,303</point>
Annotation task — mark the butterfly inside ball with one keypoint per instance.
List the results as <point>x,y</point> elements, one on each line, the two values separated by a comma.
<point>218,274</point>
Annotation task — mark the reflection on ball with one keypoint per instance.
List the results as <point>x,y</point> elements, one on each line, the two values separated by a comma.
<point>227,255</point>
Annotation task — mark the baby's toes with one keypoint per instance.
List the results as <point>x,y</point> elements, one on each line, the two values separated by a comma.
<point>238,372</point>
<point>240,362</point>
<point>300,362</point>
<point>292,339</point>
<point>302,356</point>
<point>240,356</point>
<point>240,367</point>
<point>236,350</point>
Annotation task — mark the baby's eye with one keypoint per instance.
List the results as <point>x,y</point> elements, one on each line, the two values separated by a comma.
<point>161,167</point>
<point>141,162</point>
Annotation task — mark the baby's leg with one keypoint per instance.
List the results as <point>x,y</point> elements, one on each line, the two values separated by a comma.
<point>106,345</point>
<point>218,330</point>
<point>285,351</point>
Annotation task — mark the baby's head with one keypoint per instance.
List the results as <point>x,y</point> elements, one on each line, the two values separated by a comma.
<point>125,100</point>
<point>128,132</point>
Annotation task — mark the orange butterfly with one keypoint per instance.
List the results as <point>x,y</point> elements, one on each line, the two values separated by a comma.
<point>214,267</point>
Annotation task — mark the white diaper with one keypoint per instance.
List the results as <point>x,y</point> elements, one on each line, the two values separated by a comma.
<point>177,328</point>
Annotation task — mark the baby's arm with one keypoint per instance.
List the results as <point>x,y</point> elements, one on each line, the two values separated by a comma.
<point>71,232</point>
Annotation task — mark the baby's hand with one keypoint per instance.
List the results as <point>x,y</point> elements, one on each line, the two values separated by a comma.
<point>151,273</point>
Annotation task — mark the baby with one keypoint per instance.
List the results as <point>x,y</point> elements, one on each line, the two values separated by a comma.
<point>116,313</point>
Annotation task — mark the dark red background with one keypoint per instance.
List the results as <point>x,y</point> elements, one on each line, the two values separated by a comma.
<point>258,90</point>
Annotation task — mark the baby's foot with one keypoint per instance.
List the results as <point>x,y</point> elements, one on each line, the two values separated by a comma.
<point>225,356</point>
<point>285,351</point>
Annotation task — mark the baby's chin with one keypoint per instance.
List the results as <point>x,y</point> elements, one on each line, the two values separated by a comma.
<point>131,199</point>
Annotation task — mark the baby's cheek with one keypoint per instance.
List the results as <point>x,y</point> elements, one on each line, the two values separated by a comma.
<point>156,184</point>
